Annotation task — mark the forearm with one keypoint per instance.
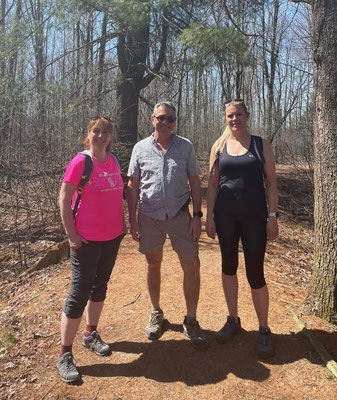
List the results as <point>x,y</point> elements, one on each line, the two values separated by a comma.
<point>272,197</point>
<point>66,193</point>
<point>212,193</point>
<point>195,193</point>
<point>132,198</point>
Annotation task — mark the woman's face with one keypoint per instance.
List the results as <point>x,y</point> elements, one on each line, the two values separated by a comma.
<point>236,118</point>
<point>99,137</point>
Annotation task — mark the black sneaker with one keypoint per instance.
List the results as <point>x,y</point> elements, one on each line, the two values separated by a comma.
<point>265,347</point>
<point>96,344</point>
<point>154,328</point>
<point>66,367</point>
<point>228,330</point>
<point>194,333</point>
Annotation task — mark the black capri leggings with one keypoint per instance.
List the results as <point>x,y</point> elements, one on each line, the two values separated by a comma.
<point>91,269</point>
<point>253,235</point>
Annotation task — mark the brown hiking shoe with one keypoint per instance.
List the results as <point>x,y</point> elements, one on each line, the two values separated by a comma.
<point>154,328</point>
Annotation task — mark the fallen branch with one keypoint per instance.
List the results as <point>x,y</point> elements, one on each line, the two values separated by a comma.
<point>48,391</point>
<point>54,255</point>
<point>317,345</point>
<point>133,301</point>
<point>98,390</point>
<point>280,284</point>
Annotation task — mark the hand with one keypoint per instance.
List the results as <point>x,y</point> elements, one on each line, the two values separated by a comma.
<point>272,228</point>
<point>210,228</point>
<point>135,231</point>
<point>195,228</point>
<point>75,242</point>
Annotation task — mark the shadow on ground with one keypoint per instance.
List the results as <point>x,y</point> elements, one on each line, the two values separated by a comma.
<point>175,360</point>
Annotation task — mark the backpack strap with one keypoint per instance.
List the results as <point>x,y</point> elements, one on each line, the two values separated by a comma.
<point>85,177</point>
<point>113,155</point>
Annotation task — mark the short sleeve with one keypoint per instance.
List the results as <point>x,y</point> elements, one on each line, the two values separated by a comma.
<point>74,170</point>
<point>134,170</point>
<point>192,164</point>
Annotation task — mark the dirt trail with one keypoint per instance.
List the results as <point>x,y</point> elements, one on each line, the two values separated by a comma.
<point>169,368</point>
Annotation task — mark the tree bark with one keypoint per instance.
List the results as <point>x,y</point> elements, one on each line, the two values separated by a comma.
<point>324,15</point>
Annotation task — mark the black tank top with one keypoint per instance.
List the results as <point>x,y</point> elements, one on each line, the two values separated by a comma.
<point>241,183</point>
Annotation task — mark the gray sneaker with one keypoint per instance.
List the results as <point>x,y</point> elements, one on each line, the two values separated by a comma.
<point>66,367</point>
<point>228,330</point>
<point>154,328</point>
<point>265,347</point>
<point>194,333</point>
<point>96,344</point>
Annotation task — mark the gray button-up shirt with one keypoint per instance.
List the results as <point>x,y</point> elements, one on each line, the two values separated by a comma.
<point>164,187</point>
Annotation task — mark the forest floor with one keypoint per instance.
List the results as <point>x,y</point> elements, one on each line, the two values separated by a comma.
<point>170,368</point>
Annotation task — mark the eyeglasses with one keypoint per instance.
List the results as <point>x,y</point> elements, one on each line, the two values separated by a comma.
<point>162,118</point>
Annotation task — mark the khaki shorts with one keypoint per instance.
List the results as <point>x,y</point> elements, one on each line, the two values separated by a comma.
<point>154,233</point>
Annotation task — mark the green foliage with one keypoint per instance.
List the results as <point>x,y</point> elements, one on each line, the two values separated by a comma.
<point>7,337</point>
<point>215,43</point>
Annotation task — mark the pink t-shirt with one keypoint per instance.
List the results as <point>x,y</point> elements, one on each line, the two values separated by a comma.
<point>100,212</point>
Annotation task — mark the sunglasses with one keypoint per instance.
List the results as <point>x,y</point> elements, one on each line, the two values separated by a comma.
<point>101,117</point>
<point>236,100</point>
<point>162,118</point>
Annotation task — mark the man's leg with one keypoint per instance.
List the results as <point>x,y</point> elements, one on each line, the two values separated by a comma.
<point>191,284</point>
<point>153,277</point>
<point>153,328</point>
<point>191,268</point>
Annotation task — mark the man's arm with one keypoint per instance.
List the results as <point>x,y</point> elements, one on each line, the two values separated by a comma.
<point>133,197</point>
<point>195,226</point>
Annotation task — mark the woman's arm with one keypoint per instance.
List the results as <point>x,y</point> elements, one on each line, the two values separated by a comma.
<point>271,189</point>
<point>212,192</point>
<point>66,193</point>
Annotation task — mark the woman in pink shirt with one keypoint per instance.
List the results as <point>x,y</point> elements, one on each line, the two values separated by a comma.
<point>94,234</point>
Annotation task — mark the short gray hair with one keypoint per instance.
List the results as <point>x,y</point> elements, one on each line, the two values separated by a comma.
<point>167,104</point>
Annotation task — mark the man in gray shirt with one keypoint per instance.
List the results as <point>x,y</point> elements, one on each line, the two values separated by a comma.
<point>163,171</point>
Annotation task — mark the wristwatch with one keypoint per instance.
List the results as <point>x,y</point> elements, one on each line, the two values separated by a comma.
<point>198,214</point>
<point>273,214</point>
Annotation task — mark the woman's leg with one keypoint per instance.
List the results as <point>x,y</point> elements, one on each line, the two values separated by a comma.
<point>69,328</point>
<point>254,240</point>
<point>84,264</point>
<point>261,304</point>
<point>228,235</point>
<point>230,286</point>
<point>108,255</point>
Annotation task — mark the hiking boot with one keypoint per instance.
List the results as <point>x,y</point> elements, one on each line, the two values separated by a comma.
<point>265,347</point>
<point>194,333</point>
<point>228,330</point>
<point>96,344</point>
<point>66,367</point>
<point>154,328</point>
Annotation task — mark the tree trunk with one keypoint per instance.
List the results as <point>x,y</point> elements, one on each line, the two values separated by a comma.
<point>324,15</point>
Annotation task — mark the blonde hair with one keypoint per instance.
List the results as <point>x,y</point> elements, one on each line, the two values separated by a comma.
<point>220,143</point>
<point>94,123</point>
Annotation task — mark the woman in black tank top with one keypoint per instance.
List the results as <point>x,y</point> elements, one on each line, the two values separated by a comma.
<point>242,182</point>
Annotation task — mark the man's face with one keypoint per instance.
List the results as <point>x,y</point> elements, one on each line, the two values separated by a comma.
<point>164,120</point>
